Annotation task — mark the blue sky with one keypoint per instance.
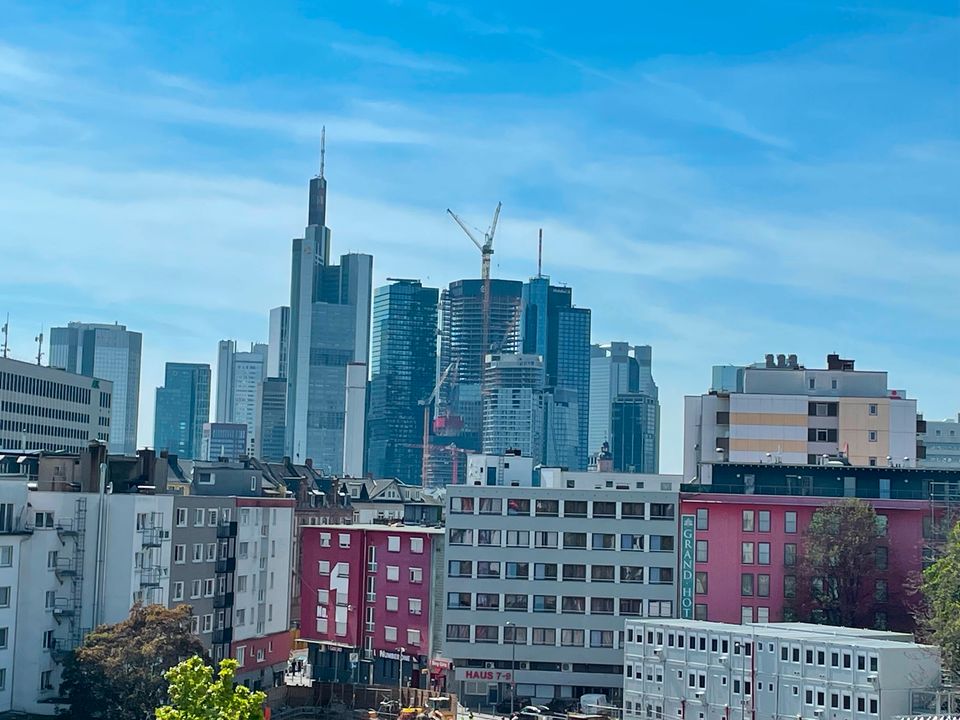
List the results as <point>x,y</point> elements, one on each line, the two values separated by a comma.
<point>720,180</point>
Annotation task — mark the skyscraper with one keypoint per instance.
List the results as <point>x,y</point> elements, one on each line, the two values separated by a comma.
<point>512,409</point>
<point>108,352</point>
<point>238,374</point>
<point>619,370</point>
<point>461,342</point>
<point>559,333</point>
<point>271,419</point>
<point>329,329</point>
<point>183,406</point>
<point>278,342</point>
<point>403,369</point>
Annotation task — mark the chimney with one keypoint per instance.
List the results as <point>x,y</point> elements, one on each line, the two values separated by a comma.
<point>781,360</point>
<point>792,361</point>
<point>769,360</point>
<point>309,463</point>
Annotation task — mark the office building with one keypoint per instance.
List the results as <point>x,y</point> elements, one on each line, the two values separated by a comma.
<point>107,352</point>
<point>460,416</point>
<point>238,375</point>
<point>539,580</point>
<point>374,593</point>
<point>354,420</point>
<point>561,428</point>
<point>403,372</point>
<point>559,333</point>
<point>622,388</point>
<point>749,528</point>
<point>780,411</point>
<point>512,405</point>
<point>270,426</point>
<point>223,440</point>
<point>941,444</point>
<point>511,469</point>
<point>44,408</point>
<point>714,671</point>
<point>278,343</point>
<point>182,407</point>
<point>329,329</point>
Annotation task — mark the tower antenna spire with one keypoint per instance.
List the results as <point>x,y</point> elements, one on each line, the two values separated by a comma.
<point>6,336</point>
<point>323,147</point>
<point>540,255</point>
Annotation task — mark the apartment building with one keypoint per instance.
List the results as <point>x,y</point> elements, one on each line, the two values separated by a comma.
<point>716,671</point>
<point>781,411</point>
<point>750,522</point>
<point>44,408</point>
<point>371,602</point>
<point>539,580</point>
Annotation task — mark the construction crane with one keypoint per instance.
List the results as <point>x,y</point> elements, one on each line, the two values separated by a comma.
<point>486,250</point>
<point>426,421</point>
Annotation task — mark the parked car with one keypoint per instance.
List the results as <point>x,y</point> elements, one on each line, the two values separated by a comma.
<point>561,706</point>
<point>504,707</point>
<point>534,712</point>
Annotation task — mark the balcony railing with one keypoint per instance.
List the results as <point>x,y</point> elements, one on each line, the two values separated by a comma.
<point>227,530</point>
<point>66,567</point>
<point>223,636</point>
<point>223,600</point>
<point>225,565</point>
<point>150,576</point>
<point>151,537</point>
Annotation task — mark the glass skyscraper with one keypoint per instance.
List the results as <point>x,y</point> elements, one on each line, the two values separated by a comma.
<point>238,375</point>
<point>183,406</point>
<point>403,371</point>
<point>108,352</point>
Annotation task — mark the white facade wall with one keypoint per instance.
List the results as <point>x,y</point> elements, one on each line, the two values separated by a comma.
<point>268,532</point>
<point>505,469</point>
<point>354,421</point>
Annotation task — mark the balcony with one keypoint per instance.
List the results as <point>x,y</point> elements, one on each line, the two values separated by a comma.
<point>66,528</point>
<point>66,568</point>
<point>227,530</point>
<point>225,565</point>
<point>223,600</point>
<point>63,607</point>
<point>150,576</point>
<point>62,649</point>
<point>16,526</point>
<point>223,636</point>
<point>151,537</point>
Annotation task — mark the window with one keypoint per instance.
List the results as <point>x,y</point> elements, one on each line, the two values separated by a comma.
<point>746,616</point>
<point>880,590</point>
<point>393,543</point>
<point>243,550</point>
<point>518,506</point>
<point>658,575</point>
<point>602,573</point>
<point>545,603</point>
<point>43,520</point>
<point>198,517</point>
<point>517,571</point>
<point>604,509</point>
<point>575,573</point>
<point>544,636</point>
<point>571,638</point>
<point>460,536</point>
<point>208,587</point>
<point>763,585</point>
<point>460,568</point>
<point>661,543</point>
<point>393,573</point>
<point>413,637</point>
<point>207,623</point>
<point>3,678</point>
<point>881,558</point>
<point>634,574</point>
<point>547,508</point>
<point>181,517</point>
<point>488,601</point>
<point>702,551</point>
<point>746,584</point>
<point>629,541</point>
<point>416,575</point>
<point>518,538</point>
<point>573,605</point>
<point>790,521</point>
<point>601,638</point>
<point>703,519</point>
<point>344,540</point>
<point>545,539</point>
<point>631,607</point>
<point>872,435</point>
<point>763,521</point>
<point>661,511</point>
<point>603,541</point>
<point>516,602</point>
<point>198,552</point>
<point>458,601</point>
<point>178,591</point>
<point>575,508</point>
<point>461,506</point>
<point>544,571</point>
<point>48,642</point>
<point>763,553</point>
<point>633,510</point>
<point>49,599</point>
<point>4,633</point>
<point>700,611</point>
<point>51,559</point>
<point>747,521</point>
<point>416,545</point>
<point>488,569</point>
<point>211,552</point>
<point>700,582</point>
<point>389,633</point>
<point>393,603</point>
<point>5,596</point>
<point>872,408</point>
<point>790,554</point>
<point>488,537</point>
<point>487,633</point>
<point>458,633</point>
<point>882,522</point>
<point>491,506</point>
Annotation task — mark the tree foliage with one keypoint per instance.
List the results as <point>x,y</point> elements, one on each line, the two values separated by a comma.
<point>118,672</point>
<point>196,694</point>
<point>941,590</point>
<point>837,567</point>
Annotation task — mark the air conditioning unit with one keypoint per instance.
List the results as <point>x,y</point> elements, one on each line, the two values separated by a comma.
<point>566,667</point>
<point>723,659</point>
<point>489,665</point>
<point>524,665</point>
<point>818,712</point>
<point>701,695</point>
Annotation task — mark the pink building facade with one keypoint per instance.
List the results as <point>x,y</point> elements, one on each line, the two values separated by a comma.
<point>368,606</point>
<point>748,546</point>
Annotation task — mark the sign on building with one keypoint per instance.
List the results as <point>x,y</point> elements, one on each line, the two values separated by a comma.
<point>688,531</point>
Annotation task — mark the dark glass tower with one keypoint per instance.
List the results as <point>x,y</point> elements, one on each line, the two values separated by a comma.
<point>183,406</point>
<point>403,366</point>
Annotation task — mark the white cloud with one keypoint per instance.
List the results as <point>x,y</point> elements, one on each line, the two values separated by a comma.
<point>382,55</point>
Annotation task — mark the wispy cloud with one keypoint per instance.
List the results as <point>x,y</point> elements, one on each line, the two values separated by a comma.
<point>19,67</point>
<point>475,25</point>
<point>382,55</point>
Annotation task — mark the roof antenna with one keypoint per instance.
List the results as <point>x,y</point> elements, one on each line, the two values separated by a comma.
<point>323,147</point>
<point>39,340</point>
<point>540,255</point>
<point>6,335</point>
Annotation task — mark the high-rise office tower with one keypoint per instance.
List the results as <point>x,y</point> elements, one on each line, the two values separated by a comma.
<point>271,419</point>
<point>512,410</point>
<point>278,342</point>
<point>619,370</point>
<point>461,342</point>
<point>403,370</point>
<point>559,333</point>
<point>329,329</point>
<point>183,406</point>
<point>108,352</point>
<point>238,374</point>
<point>223,440</point>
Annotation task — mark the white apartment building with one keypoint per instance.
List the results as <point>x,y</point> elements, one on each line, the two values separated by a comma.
<point>780,411</point>
<point>539,580</point>
<point>714,671</point>
<point>510,469</point>
<point>44,408</point>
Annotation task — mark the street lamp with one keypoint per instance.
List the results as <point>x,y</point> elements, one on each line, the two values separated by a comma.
<point>513,666</point>
<point>400,652</point>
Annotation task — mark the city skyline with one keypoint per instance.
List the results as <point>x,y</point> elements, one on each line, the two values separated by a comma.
<point>813,243</point>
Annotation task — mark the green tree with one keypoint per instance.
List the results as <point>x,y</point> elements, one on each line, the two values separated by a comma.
<point>118,672</point>
<point>941,591</point>
<point>839,563</point>
<point>195,694</point>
